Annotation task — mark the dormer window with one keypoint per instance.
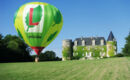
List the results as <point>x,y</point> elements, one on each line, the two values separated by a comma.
<point>75,43</point>
<point>102,42</point>
<point>93,42</point>
<point>83,42</point>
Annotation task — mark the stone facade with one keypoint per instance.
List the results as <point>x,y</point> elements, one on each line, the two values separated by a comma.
<point>67,49</point>
<point>89,47</point>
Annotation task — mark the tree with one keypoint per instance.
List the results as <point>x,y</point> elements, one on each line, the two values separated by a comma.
<point>1,40</point>
<point>1,36</point>
<point>48,56</point>
<point>126,49</point>
<point>13,49</point>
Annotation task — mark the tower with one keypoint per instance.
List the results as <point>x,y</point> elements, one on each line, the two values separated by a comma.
<point>111,45</point>
<point>67,49</point>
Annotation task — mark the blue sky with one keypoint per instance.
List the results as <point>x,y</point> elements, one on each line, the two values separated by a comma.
<point>81,18</point>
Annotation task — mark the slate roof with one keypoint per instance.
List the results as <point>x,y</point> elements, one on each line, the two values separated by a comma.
<point>111,37</point>
<point>88,40</point>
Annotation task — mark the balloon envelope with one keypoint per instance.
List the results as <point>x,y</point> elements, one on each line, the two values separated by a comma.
<point>38,24</point>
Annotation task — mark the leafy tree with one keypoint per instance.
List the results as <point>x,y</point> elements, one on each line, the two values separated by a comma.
<point>119,55</point>
<point>47,56</point>
<point>126,49</point>
<point>13,49</point>
<point>1,37</point>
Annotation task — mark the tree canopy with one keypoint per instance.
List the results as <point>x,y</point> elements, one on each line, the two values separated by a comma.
<point>13,49</point>
<point>48,56</point>
<point>126,49</point>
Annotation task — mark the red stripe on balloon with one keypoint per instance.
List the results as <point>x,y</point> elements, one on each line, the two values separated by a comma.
<point>31,18</point>
<point>37,50</point>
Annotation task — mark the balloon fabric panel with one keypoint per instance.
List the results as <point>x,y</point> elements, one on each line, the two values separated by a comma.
<point>38,24</point>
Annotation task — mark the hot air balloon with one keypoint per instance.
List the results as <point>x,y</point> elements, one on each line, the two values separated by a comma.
<point>38,24</point>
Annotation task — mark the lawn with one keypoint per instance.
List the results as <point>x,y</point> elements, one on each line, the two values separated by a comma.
<point>101,69</point>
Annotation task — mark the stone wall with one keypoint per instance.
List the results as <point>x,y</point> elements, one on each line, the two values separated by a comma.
<point>67,50</point>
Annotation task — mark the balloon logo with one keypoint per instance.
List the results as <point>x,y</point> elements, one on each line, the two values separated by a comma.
<point>38,24</point>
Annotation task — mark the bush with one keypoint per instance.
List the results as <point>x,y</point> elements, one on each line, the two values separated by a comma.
<point>47,56</point>
<point>119,55</point>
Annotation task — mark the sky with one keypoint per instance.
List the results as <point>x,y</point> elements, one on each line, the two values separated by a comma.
<point>82,18</point>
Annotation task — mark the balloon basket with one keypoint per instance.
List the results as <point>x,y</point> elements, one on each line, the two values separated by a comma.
<point>36,59</point>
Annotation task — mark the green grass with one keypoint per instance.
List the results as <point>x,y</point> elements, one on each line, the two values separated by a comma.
<point>102,69</point>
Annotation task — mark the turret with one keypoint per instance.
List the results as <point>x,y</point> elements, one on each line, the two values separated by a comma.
<point>67,49</point>
<point>111,45</point>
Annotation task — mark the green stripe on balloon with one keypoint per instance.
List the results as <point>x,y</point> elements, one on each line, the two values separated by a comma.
<point>48,19</point>
<point>20,34</point>
<point>52,36</point>
<point>57,16</point>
